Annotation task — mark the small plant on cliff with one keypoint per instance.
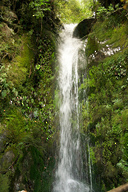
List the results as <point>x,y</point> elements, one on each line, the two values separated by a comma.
<point>102,12</point>
<point>39,7</point>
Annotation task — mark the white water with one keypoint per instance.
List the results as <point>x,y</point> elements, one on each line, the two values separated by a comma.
<point>68,173</point>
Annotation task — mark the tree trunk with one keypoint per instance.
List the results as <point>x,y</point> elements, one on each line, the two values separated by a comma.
<point>122,188</point>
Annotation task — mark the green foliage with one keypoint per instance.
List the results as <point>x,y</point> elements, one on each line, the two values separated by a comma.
<point>9,44</point>
<point>15,72</point>
<point>15,127</point>
<point>27,107</point>
<point>112,29</point>
<point>103,12</point>
<point>105,112</point>
<point>92,46</point>
<point>30,154</point>
<point>4,182</point>
<point>22,64</point>
<point>92,155</point>
<point>73,11</point>
<point>39,7</point>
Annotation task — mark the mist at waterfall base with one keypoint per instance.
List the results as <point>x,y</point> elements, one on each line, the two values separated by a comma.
<point>69,172</point>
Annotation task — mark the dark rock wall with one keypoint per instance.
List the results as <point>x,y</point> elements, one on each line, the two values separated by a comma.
<point>83,28</point>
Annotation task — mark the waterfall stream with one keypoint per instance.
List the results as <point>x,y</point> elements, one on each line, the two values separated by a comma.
<point>68,176</point>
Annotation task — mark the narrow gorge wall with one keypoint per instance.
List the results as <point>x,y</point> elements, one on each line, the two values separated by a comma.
<point>106,111</point>
<point>27,110</point>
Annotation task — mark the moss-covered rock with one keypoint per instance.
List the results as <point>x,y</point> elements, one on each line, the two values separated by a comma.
<point>21,64</point>
<point>107,90</point>
<point>27,111</point>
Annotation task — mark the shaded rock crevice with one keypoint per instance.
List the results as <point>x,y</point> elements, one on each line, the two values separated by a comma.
<point>83,28</point>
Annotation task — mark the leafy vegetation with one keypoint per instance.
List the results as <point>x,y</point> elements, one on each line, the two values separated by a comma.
<point>73,11</point>
<point>105,111</point>
<point>27,83</point>
<point>27,109</point>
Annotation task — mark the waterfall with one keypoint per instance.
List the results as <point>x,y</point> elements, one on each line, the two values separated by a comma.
<point>68,176</point>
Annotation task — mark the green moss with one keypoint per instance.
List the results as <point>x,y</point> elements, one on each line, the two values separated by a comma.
<point>102,30</point>
<point>92,46</point>
<point>124,119</point>
<point>27,108</point>
<point>20,66</point>
<point>112,30</point>
<point>4,182</point>
<point>119,37</point>
<point>107,101</point>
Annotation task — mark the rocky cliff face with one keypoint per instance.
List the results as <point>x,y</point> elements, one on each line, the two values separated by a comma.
<point>27,57</point>
<point>106,111</point>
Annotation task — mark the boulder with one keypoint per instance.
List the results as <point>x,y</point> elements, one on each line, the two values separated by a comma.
<point>83,28</point>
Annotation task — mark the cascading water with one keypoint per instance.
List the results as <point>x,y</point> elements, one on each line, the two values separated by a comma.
<point>68,173</point>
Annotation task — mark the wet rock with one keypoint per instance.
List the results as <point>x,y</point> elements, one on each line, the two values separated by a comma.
<point>8,157</point>
<point>83,28</point>
<point>99,56</point>
<point>2,139</point>
<point>19,186</point>
<point>6,161</point>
